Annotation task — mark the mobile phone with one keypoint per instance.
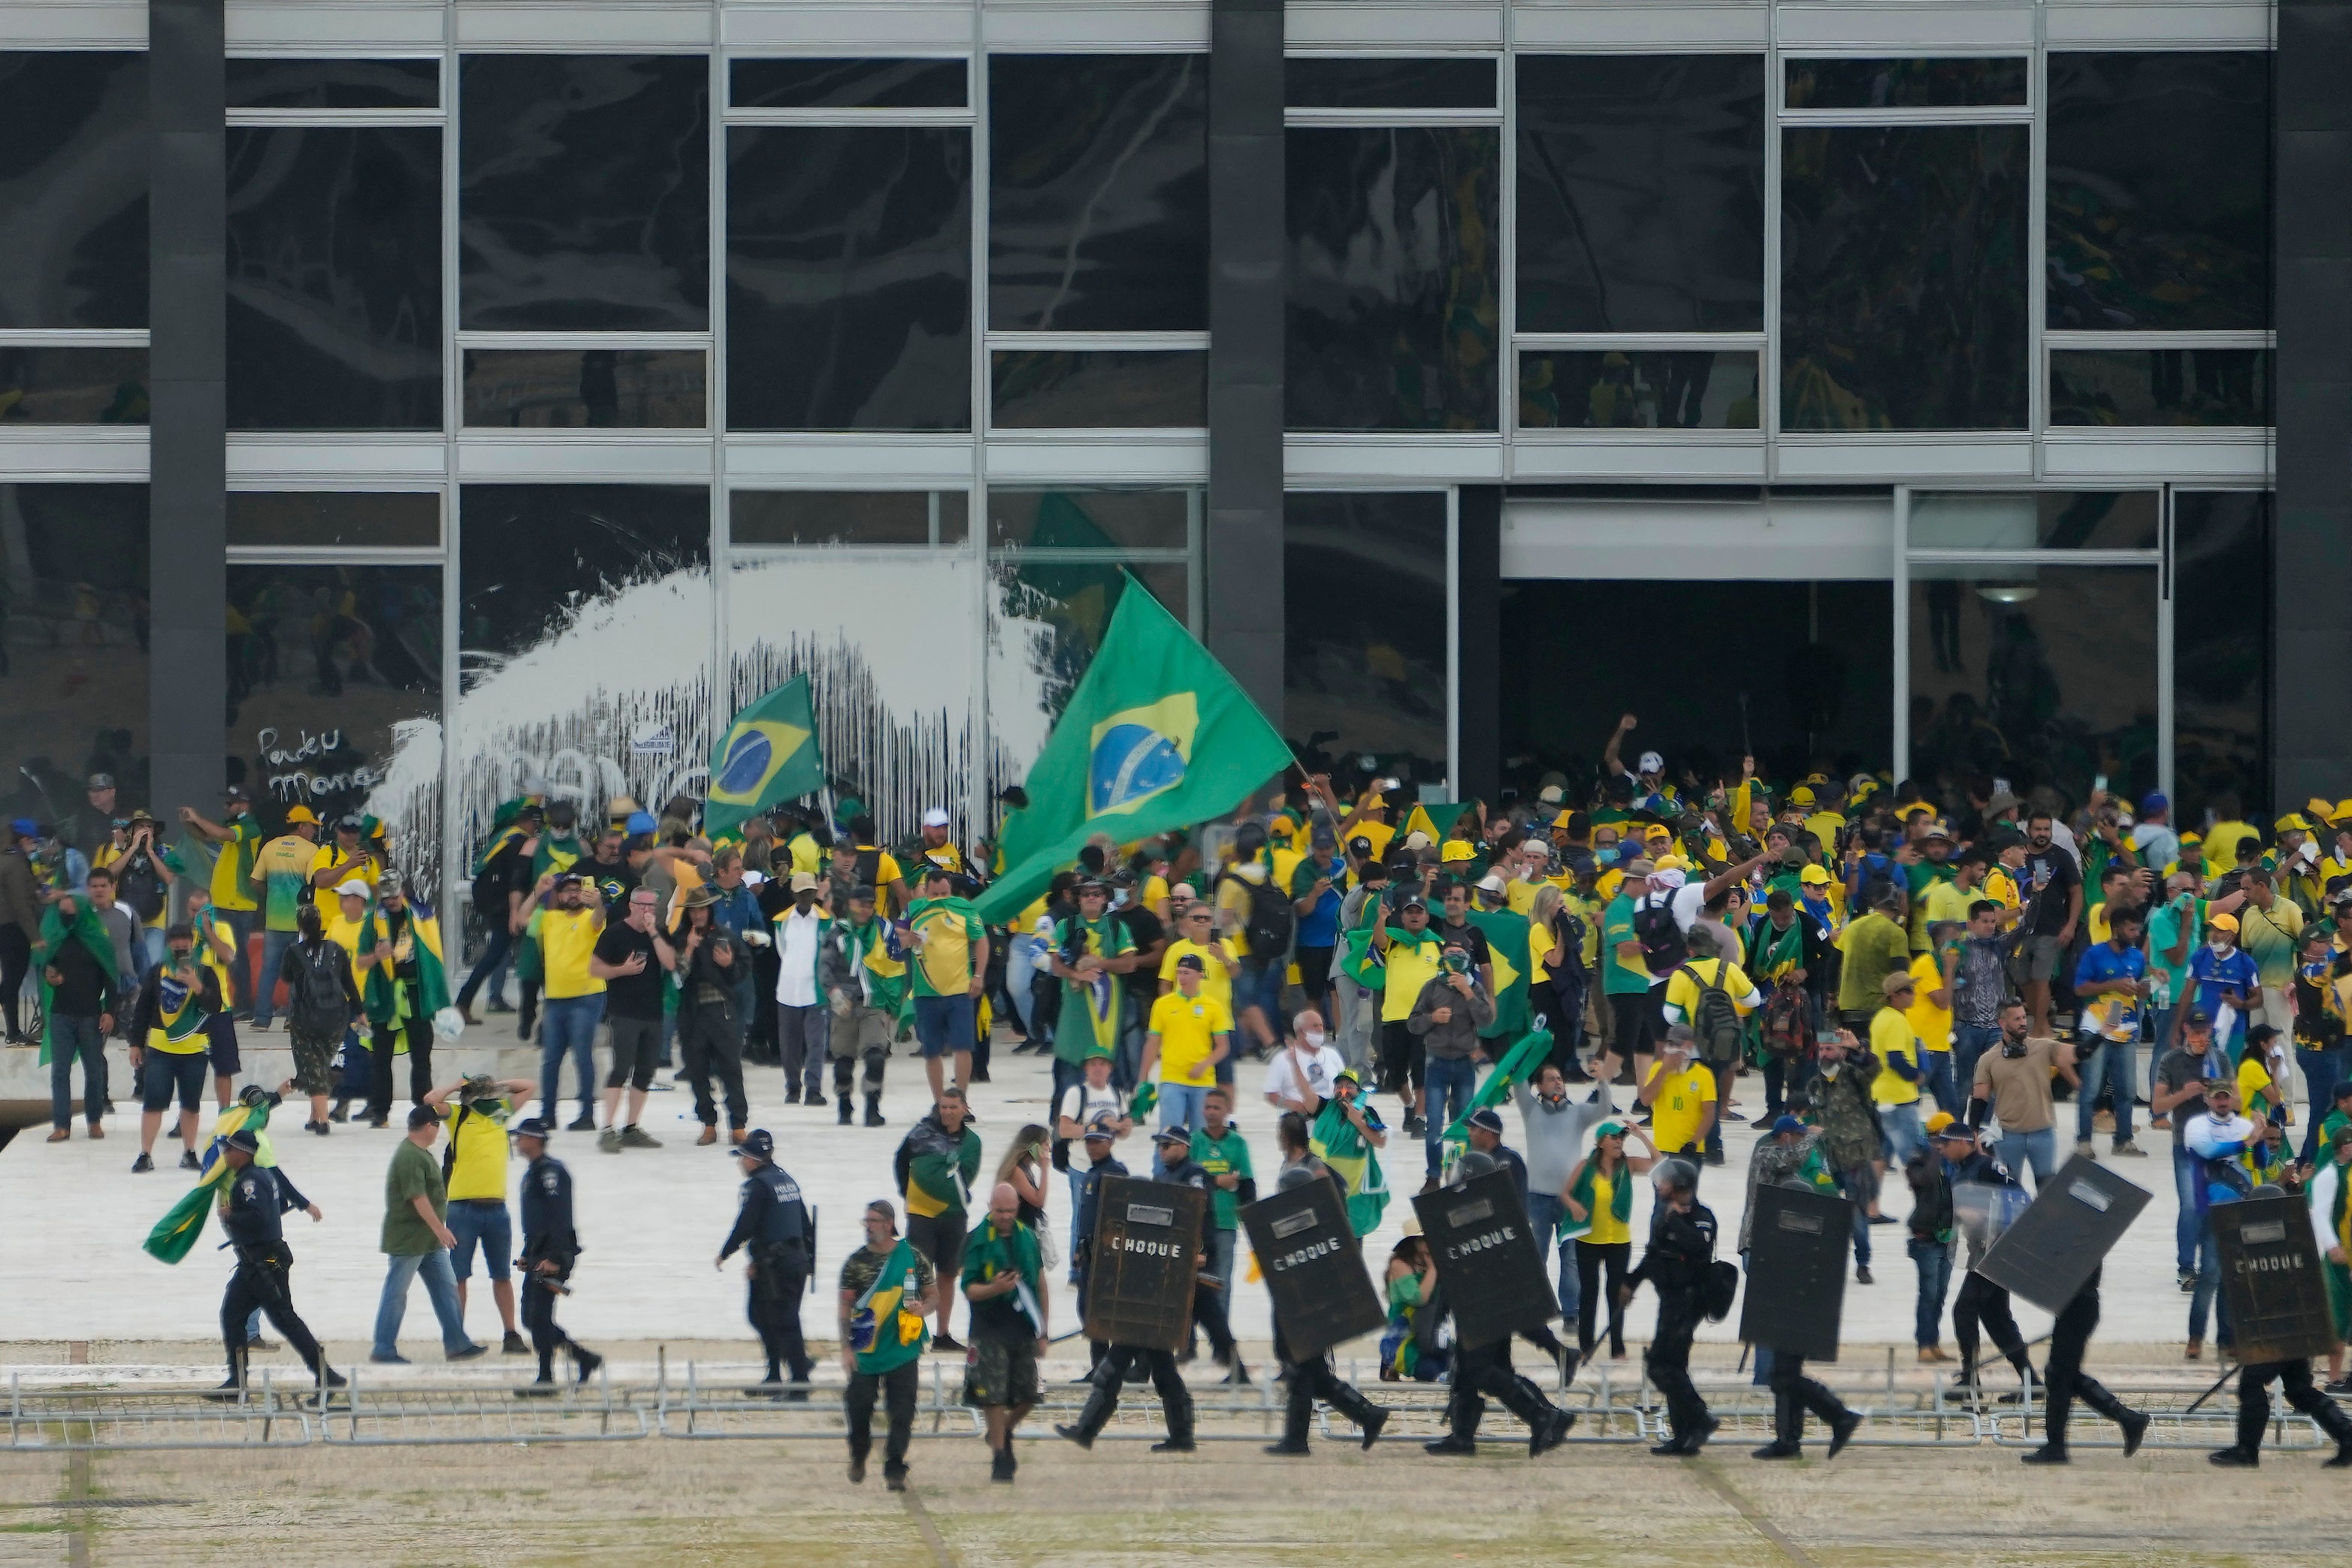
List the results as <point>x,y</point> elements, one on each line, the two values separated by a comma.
<point>2099,782</point>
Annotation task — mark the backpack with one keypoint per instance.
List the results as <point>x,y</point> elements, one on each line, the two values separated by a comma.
<point>1787,1023</point>
<point>1271,919</point>
<point>1664,946</point>
<point>1714,1019</point>
<point>317,998</point>
<point>136,884</point>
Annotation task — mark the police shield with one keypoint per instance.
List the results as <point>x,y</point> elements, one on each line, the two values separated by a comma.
<point>2271,1281</point>
<point>2048,1251</point>
<point>1488,1264</point>
<point>1314,1268</point>
<point>1796,1271</point>
<point>1141,1272</point>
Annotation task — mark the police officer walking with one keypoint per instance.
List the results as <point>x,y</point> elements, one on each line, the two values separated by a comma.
<point>2065,1381</point>
<point>1680,1257</point>
<point>550,1248</point>
<point>257,1195</point>
<point>1175,1399</point>
<point>1310,1378</point>
<point>1486,1369</point>
<point>773,1224</point>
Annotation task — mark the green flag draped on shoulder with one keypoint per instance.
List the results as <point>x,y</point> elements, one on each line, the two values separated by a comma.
<point>87,929</point>
<point>175,1234</point>
<point>1518,1065</point>
<point>768,755</point>
<point>1506,945</point>
<point>1157,736</point>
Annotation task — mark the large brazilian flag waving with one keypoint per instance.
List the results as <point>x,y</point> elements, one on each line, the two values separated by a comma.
<point>1157,736</point>
<point>767,755</point>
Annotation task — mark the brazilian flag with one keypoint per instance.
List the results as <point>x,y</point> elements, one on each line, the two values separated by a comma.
<point>175,1234</point>
<point>768,755</point>
<point>1506,945</point>
<point>385,1000</point>
<point>86,928</point>
<point>1518,1065</point>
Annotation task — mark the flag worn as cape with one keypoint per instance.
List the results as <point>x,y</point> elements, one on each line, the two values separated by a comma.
<point>175,1234</point>
<point>1506,945</point>
<point>1157,736</point>
<point>90,931</point>
<point>1335,1141</point>
<point>768,755</point>
<point>385,1000</point>
<point>1518,1065</point>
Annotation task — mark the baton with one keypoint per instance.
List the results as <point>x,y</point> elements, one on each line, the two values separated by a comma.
<point>2227,1374</point>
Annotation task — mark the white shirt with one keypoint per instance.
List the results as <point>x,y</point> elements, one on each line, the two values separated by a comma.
<point>1081,1102</point>
<point>1298,1075</point>
<point>796,938</point>
<point>2208,1136</point>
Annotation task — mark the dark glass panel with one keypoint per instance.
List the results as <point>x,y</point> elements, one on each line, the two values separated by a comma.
<point>73,651</point>
<point>44,385</point>
<point>335,699</point>
<point>334,84</point>
<point>1039,389</point>
<point>586,193</point>
<point>1089,520</point>
<point>1903,277</point>
<point>1638,389</point>
<point>849,277</point>
<point>846,517</point>
<point>2041,520</point>
<point>1640,192</point>
<point>1098,192</point>
<point>73,188</point>
<point>2038,674</point>
<point>2159,386</point>
<point>559,389</point>
<point>2159,190</point>
<point>2222,677</point>
<point>801,83</point>
<point>1907,84</point>
<point>348,520</point>
<point>334,278</point>
<point>1364,654</point>
<point>1315,82</point>
<point>531,554</point>
<point>1394,288</point>
<point>1047,618</point>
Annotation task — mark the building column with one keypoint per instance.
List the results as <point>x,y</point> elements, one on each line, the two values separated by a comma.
<point>1248,239</point>
<point>1478,642</point>
<point>187,429</point>
<point>2311,557</point>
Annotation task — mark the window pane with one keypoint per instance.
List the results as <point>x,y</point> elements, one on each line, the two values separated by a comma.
<point>335,696</point>
<point>1903,277</point>
<point>1098,192</point>
<point>1090,519</point>
<point>557,389</point>
<point>40,385</point>
<point>1640,192</point>
<point>1638,389</point>
<point>334,278</point>
<point>2159,208</point>
<point>2046,519</point>
<point>847,84</point>
<point>1358,677</point>
<point>334,84</point>
<point>1394,288</point>
<point>1323,83</point>
<point>1045,620</point>
<point>585,202</point>
<point>74,684</point>
<point>849,277</point>
<point>1051,390</point>
<point>353,520</point>
<point>73,188</point>
<point>2221,650</point>
<point>2159,386</point>
<point>2038,674</point>
<point>1906,84</point>
<point>846,517</point>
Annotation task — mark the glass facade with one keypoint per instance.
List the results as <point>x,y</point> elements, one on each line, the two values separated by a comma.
<point>1617,389</point>
<point>44,385</point>
<point>561,389</point>
<point>73,188</point>
<point>1052,389</point>
<point>1364,674</point>
<point>2221,674</point>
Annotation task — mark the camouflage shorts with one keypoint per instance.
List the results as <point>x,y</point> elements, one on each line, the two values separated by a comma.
<point>1001,1372</point>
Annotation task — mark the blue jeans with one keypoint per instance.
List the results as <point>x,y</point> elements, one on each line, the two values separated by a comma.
<point>1451,1081</point>
<point>265,989</point>
<point>2159,1040</point>
<point>1936,1078</point>
<point>1259,985</point>
<point>1543,1211</point>
<point>440,1288</point>
<point>2106,1075</point>
<point>483,1225</point>
<point>1127,1062</point>
<point>1968,1042</point>
<point>1901,1125</point>
<point>1855,1186</point>
<point>2321,1069</point>
<point>1021,957</point>
<point>2184,1224</point>
<point>2207,1292</point>
<point>72,1038</point>
<point>1182,1104</point>
<point>568,1023</point>
<point>2038,1151</point>
<point>1934,1260</point>
<point>491,967</point>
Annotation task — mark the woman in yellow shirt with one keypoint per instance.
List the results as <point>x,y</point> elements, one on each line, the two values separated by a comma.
<point>1598,1215</point>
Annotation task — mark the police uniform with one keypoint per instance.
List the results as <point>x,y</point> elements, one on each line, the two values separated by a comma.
<point>1312,1377</point>
<point>1681,1253</point>
<point>257,1195</point>
<point>2065,1382</point>
<point>1981,1304</point>
<point>773,1225</point>
<point>1111,1370</point>
<point>1487,1369</point>
<point>548,1237</point>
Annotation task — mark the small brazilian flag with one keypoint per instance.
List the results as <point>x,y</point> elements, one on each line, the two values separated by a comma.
<point>768,755</point>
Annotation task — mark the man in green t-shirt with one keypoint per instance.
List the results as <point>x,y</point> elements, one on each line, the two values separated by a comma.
<point>888,1290</point>
<point>417,1239</point>
<point>1219,1148</point>
<point>1003,1278</point>
<point>950,966</point>
<point>1874,946</point>
<point>1090,950</point>
<point>1636,1021</point>
<point>280,876</point>
<point>238,834</point>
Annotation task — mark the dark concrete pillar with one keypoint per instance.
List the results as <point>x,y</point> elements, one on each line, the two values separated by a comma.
<point>1478,645</point>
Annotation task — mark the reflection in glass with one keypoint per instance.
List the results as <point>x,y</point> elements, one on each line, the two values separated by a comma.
<point>1394,293</point>
<point>1848,83</point>
<point>73,648</point>
<point>849,277</point>
<point>2039,674</point>
<point>2221,674</point>
<point>846,517</point>
<point>1324,83</point>
<point>276,83</point>
<point>1098,192</point>
<point>1903,277</point>
<point>335,699</point>
<point>1638,389</point>
<point>559,389</point>
<point>1364,654</point>
<point>1640,192</point>
<point>73,188</point>
<point>2159,190</point>
<point>800,82</point>
<point>2159,386</point>
<point>345,520</point>
<point>2043,520</point>
<point>585,195</point>
<point>1046,618</point>
<point>334,278</point>
<point>44,385</point>
<point>1113,389</point>
<point>1090,519</point>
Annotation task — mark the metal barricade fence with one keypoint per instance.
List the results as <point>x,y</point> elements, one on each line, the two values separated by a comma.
<point>63,1417</point>
<point>400,1414</point>
<point>2214,1424</point>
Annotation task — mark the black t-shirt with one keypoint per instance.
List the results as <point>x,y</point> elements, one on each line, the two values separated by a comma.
<point>637,995</point>
<point>2178,1069</point>
<point>1465,936</point>
<point>2054,870</point>
<point>1143,928</point>
<point>603,871</point>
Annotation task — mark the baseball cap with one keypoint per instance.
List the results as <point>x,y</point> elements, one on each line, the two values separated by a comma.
<point>101,782</point>
<point>758,1142</point>
<point>2154,800</point>
<point>1104,1127</point>
<point>2222,923</point>
<point>1413,901</point>
<point>1940,831</point>
<point>1486,1118</point>
<point>640,823</point>
<point>1192,961</point>
<point>1668,876</point>
<point>351,884</point>
<point>25,828</point>
<point>1955,1131</point>
<point>1790,1124</point>
<point>805,882</point>
<point>1491,882</point>
<point>935,818</point>
<point>1813,876</point>
<point>531,1127</point>
<point>2201,1018</point>
<point>1935,1124</point>
<point>1174,1133</point>
<point>2293,822</point>
<point>1550,795</point>
<point>1650,762</point>
<point>235,792</point>
<point>245,1138</point>
<point>300,814</point>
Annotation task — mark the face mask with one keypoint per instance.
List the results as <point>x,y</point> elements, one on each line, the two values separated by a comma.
<point>2221,945</point>
<point>1118,899</point>
<point>1311,1041</point>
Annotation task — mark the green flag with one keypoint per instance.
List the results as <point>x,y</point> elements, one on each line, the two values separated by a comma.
<point>1157,736</point>
<point>1518,1065</point>
<point>768,755</point>
<point>1507,945</point>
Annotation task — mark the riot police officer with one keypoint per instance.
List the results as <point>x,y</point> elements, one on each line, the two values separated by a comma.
<point>1487,1369</point>
<point>2065,1381</point>
<point>773,1225</point>
<point>1175,1399</point>
<point>1680,1258</point>
<point>257,1195</point>
<point>1309,1378</point>
<point>550,1248</point>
